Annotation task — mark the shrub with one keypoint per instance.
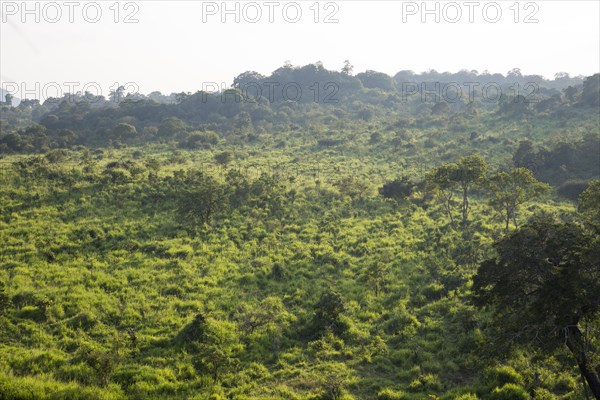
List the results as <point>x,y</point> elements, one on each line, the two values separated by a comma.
<point>468,396</point>
<point>198,139</point>
<point>224,158</point>
<point>397,189</point>
<point>510,391</point>
<point>503,375</point>
<point>390,394</point>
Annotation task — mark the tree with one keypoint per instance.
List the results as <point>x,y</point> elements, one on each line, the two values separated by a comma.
<point>253,317</point>
<point>124,131</point>
<point>243,122</point>
<point>200,199</point>
<point>171,127</point>
<point>116,96</point>
<point>246,78</point>
<point>376,80</point>
<point>570,93</point>
<point>8,99</point>
<point>525,155</point>
<point>463,176</point>
<point>215,347</point>
<point>333,378</point>
<point>589,204</point>
<point>544,282</point>
<point>66,137</point>
<point>470,172</point>
<point>347,68</point>
<point>375,275</point>
<point>328,310</point>
<point>224,157</point>
<point>590,94</point>
<point>397,189</point>
<point>353,187</point>
<point>441,183</point>
<point>515,74</point>
<point>511,189</point>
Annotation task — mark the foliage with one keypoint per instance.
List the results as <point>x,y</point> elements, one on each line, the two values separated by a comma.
<point>544,282</point>
<point>194,246</point>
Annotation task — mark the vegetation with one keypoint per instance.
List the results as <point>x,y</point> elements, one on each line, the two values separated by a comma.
<point>382,246</point>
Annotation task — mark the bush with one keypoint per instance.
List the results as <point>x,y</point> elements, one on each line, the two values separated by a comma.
<point>224,158</point>
<point>564,385</point>
<point>390,394</point>
<point>543,394</point>
<point>197,140</point>
<point>397,189</point>
<point>328,312</point>
<point>510,391</point>
<point>468,396</point>
<point>426,382</point>
<point>80,373</point>
<point>503,375</point>
<point>56,156</point>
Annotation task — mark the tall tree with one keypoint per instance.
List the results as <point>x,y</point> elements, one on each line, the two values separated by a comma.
<point>463,175</point>
<point>440,182</point>
<point>543,283</point>
<point>469,173</point>
<point>347,68</point>
<point>511,189</point>
<point>589,204</point>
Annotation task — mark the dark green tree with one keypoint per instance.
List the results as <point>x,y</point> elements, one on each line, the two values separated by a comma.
<point>543,283</point>
<point>200,199</point>
<point>397,189</point>
<point>224,157</point>
<point>347,68</point>
<point>124,131</point>
<point>591,91</point>
<point>328,311</point>
<point>171,127</point>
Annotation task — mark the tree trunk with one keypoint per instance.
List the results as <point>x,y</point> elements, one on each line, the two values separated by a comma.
<point>447,200</point>
<point>575,343</point>
<point>465,205</point>
<point>509,213</point>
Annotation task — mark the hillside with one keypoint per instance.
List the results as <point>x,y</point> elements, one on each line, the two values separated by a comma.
<point>339,245</point>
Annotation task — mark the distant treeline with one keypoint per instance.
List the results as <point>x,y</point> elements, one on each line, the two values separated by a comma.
<point>311,101</point>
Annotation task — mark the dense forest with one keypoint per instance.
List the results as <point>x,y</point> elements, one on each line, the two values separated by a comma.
<point>312,234</point>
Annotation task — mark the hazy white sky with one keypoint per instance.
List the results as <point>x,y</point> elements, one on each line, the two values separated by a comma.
<point>179,45</point>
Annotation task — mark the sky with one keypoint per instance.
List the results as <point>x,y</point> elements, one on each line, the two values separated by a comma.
<point>51,48</point>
